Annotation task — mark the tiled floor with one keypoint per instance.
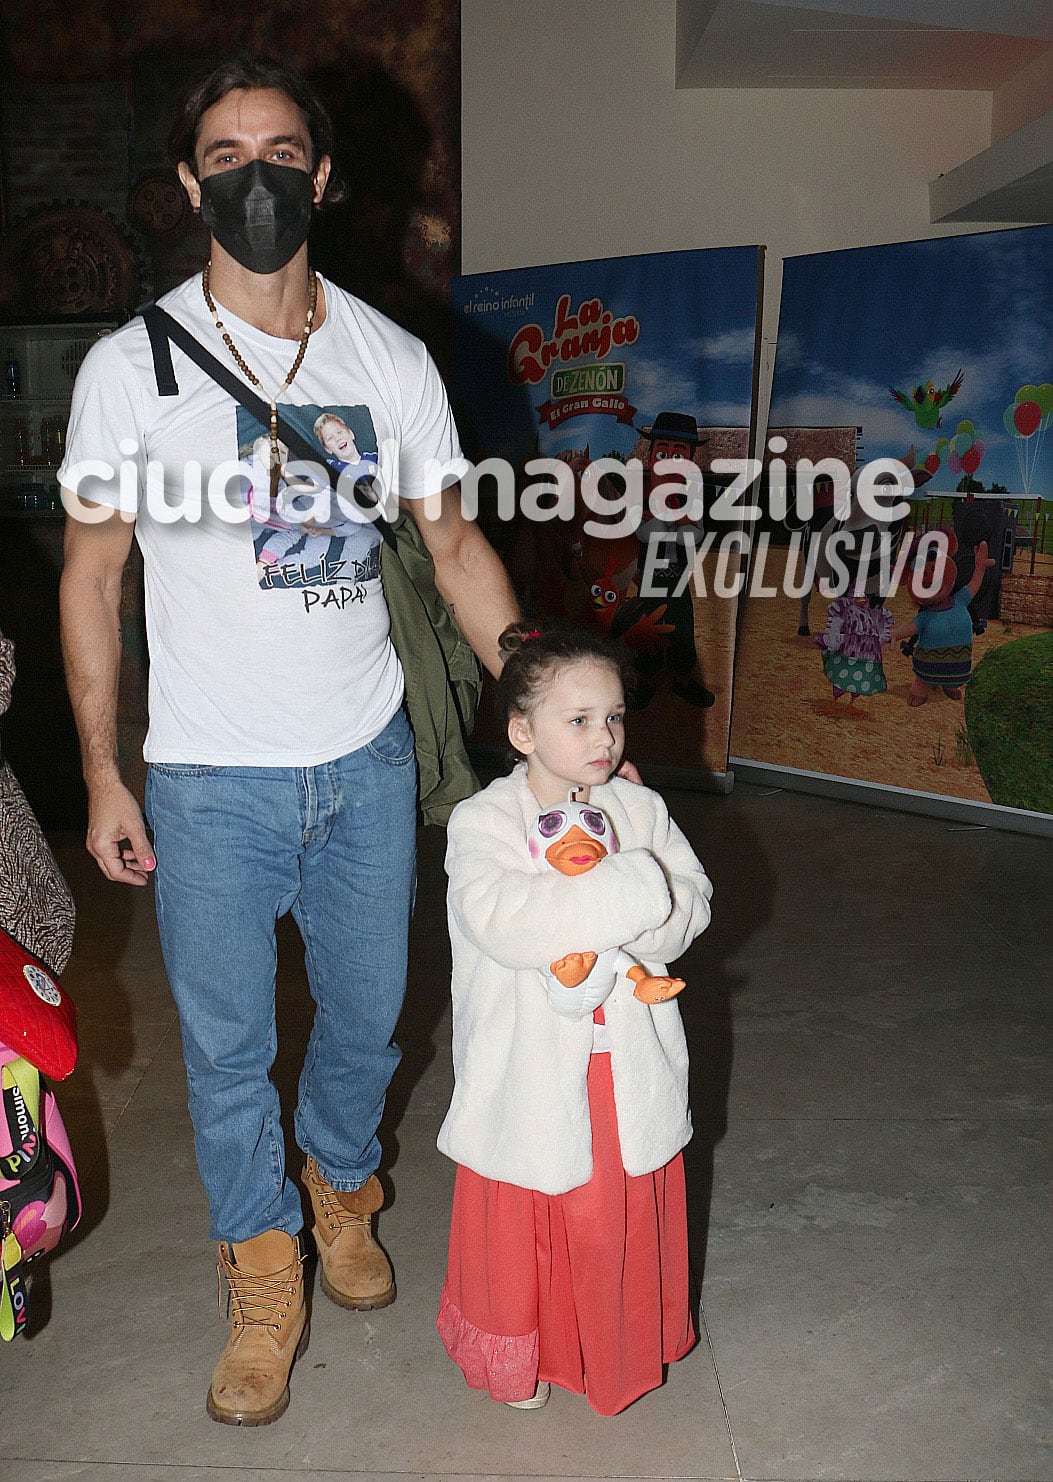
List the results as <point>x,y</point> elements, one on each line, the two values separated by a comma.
<point>869,1018</point>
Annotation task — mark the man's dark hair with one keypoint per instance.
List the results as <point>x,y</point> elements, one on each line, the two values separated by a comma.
<point>245,70</point>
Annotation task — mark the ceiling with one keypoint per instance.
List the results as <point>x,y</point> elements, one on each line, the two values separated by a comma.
<point>979,45</point>
<point>858,43</point>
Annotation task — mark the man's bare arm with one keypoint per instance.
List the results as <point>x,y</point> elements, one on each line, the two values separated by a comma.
<point>90,601</point>
<point>468,572</point>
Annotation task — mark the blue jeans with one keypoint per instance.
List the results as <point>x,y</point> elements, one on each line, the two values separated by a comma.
<point>238,847</point>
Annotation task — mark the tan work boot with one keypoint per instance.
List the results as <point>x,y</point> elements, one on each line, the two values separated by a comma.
<point>269,1329</point>
<point>355,1271</point>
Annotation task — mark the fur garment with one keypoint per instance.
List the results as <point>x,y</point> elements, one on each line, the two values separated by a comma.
<point>520,1106</point>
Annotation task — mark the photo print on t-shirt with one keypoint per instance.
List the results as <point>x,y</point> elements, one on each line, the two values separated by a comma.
<point>301,535</point>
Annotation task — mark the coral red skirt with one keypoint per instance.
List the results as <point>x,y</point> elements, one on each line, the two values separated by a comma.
<point>587,1290</point>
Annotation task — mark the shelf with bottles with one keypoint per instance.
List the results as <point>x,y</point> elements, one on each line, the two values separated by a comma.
<point>12,403</point>
<point>30,441</point>
<point>11,511</point>
<point>42,360</point>
<point>28,493</point>
<point>39,363</point>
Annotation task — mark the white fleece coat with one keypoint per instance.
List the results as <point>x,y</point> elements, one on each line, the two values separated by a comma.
<point>520,1110</point>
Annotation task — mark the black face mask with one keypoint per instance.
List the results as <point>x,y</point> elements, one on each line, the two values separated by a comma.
<point>259,213</point>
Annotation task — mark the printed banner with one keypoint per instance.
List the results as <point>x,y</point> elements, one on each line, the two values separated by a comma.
<point>934,671</point>
<point>608,368</point>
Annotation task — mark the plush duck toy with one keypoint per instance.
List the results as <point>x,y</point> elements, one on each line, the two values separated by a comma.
<point>573,838</point>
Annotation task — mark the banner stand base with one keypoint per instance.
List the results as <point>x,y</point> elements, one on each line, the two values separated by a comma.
<point>688,779</point>
<point>877,795</point>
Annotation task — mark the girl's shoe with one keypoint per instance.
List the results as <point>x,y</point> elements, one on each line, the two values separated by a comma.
<point>540,1398</point>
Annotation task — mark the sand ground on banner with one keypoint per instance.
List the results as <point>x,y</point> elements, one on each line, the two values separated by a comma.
<point>783,710</point>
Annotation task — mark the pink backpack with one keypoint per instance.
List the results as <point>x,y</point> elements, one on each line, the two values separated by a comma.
<point>39,1192</point>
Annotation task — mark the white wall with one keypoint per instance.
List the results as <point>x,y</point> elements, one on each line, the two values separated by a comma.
<point>1023,97</point>
<point>577,144</point>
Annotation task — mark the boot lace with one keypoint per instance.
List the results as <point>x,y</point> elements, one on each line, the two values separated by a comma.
<point>337,1216</point>
<point>255,1301</point>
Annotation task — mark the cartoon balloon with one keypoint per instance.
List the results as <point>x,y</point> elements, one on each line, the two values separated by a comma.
<point>965,426</point>
<point>961,443</point>
<point>932,463</point>
<point>954,462</point>
<point>1044,397</point>
<point>971,461</point>
<point>1026,423</point>
<point>1026,418</point>
<point>979,446</point>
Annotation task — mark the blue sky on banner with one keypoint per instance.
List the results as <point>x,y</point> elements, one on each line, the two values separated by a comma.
<point>854,324</point>
<point>693,354</point>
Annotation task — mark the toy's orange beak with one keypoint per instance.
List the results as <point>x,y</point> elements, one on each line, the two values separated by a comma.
<point>575,852</point>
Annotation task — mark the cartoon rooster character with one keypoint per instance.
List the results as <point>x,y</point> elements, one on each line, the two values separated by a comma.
<point>926,402</point>
<point>608,567</point>
<point>574,838</point>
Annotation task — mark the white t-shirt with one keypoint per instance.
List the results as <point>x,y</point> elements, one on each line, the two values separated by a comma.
<point>269,637</point>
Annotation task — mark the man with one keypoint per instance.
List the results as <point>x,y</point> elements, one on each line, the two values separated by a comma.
<point>674,539</point>
<point>281,760</point>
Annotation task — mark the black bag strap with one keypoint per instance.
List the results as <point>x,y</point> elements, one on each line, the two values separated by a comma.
<point>164,331</point>
<point>161,350</point>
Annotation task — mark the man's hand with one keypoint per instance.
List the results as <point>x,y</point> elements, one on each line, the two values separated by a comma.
<point>117,835</point>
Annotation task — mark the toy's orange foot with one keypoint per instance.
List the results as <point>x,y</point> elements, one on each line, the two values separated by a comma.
<point>573,969</point>
<point>657,990</point>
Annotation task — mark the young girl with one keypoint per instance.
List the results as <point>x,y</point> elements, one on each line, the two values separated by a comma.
<point>568,1243</point>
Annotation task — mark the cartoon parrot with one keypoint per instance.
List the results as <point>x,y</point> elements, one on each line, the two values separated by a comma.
<point>926,402</point>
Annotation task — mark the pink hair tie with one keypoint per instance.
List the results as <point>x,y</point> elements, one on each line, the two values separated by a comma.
<point>534,633</point>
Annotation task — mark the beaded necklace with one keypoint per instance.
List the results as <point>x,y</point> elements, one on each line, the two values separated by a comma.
<point>239,359</point>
